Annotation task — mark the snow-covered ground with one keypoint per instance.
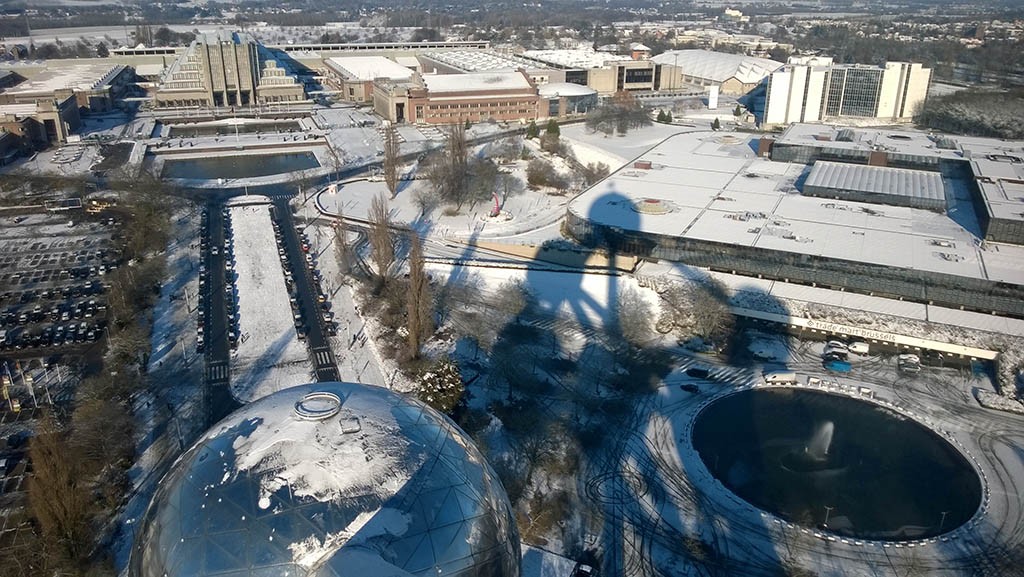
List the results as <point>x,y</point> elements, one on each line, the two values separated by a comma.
<point>270,356</point>
<point>679,498</point>
<point>540,563</point>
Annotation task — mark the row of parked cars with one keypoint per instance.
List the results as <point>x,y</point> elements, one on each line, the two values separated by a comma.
<point>52,335</point>
<point>60,312</point>
<point>204,279</point>
<point>91,287</point>
<point>323,304</point>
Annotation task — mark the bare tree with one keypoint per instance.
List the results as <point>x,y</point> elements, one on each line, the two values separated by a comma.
<point>102,435</point>
<point>382,244</point>
<point>426,200</point>
<point>458,148</point>
<point>700,309</point>
<point>712,317</point>
<point>509,186</point>
<point>592,172</point>
<point>512,299</point>
<point>419,302</point>
<point>392,150</point>
<point>484,177</point>
<point>449,171</point>
<point>634,318</point>
<point>56,491</point>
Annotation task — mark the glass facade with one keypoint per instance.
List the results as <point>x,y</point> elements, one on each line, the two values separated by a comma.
<point>437,509</point>
<point>915,285</point>
<point>853,92</point>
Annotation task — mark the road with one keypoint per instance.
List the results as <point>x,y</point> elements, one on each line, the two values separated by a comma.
<point>324,364</point>
<point>216,378</point>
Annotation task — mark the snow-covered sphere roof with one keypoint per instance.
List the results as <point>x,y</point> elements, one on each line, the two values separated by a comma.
<point>329,480</point>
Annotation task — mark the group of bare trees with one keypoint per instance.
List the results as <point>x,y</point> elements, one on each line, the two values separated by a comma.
<point>621,114</point>
<point>415,286</point>
<point>697,309</point>
<point>456,178</point>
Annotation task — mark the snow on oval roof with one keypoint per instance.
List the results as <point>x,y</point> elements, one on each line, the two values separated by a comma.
<point>565,89</point>
<point>719,66</point>
<point>270,488</point>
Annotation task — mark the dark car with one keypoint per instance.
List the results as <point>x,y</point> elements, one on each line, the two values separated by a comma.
<point>698,372</point>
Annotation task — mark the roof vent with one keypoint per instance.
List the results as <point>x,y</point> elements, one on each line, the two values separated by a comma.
<point>318,406</point>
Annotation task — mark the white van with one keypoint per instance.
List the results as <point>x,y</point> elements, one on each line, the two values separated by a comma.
<point>780,378</point>
<point>859,348</point>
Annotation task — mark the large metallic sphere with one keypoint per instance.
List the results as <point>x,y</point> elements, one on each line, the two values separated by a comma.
<point>329,480</point>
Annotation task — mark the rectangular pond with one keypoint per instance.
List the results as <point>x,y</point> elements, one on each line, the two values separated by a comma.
<point>195,130</point>
<point>241,166</point>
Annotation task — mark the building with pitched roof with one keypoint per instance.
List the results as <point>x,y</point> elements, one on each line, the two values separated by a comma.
<point>732,73</point>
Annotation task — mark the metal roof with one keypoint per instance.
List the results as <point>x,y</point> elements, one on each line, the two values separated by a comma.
<point>877,180</point>
<point>719,66</point>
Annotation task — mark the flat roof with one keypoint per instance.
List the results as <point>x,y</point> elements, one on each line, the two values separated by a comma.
<point>997,164</point>
<point>150,69</point>
<point>18,109</point>
<point>1004,199</point>
<point>368,68</point>
<point>718,190</point>
<point>481,60</point>
<point>575,58</point>
<point>477,81</point>
<point>877,180</point>
<point>900,142</point>
<point>63,76</point>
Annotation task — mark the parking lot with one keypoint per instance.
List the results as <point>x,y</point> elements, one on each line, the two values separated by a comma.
<point>215,253</point>
<point>52,288</point>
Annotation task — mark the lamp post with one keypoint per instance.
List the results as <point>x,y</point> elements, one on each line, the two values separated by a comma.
<point>828,511</point>
<point>942,521</point>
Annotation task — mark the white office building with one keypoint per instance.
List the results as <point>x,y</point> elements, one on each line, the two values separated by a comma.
<point>816,90</point>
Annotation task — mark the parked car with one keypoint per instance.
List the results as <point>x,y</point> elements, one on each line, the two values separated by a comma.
<point>859,348</point>
<point>838,366</point>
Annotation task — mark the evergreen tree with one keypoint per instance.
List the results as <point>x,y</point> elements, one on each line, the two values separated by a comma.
<point>716,124</point>
<point>441,386</point>
<point>532,131</point>
<point>552,128</point>
<point>738,112</point>
<point>668,116</point>
<point>418,303</point>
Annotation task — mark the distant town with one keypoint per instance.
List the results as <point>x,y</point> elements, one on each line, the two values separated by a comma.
<point>555,289</point>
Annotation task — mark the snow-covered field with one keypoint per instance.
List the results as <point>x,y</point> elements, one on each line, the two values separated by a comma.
<point>270,356</point>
